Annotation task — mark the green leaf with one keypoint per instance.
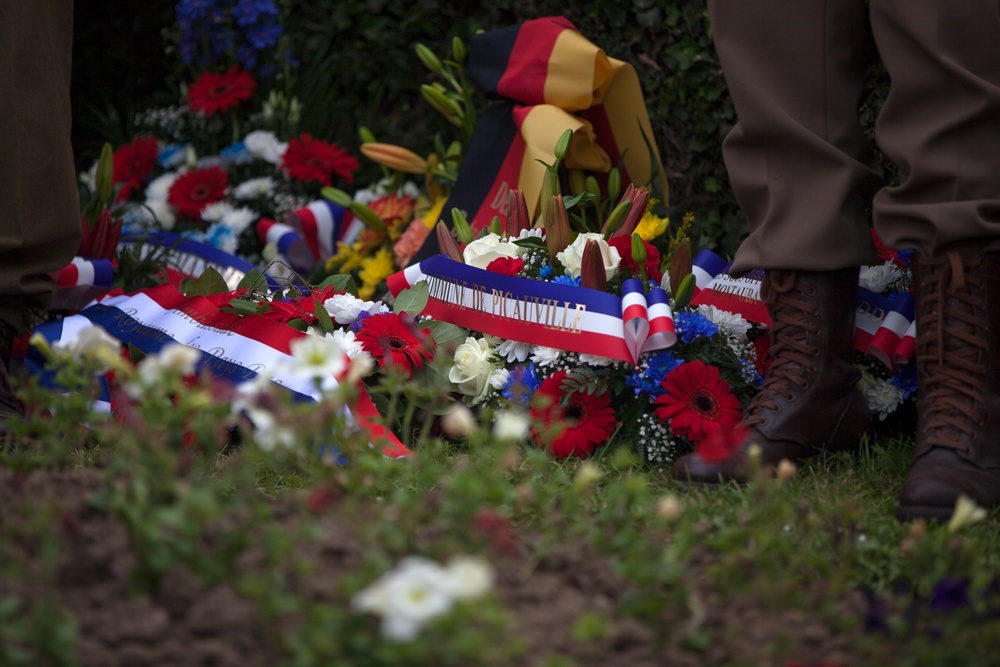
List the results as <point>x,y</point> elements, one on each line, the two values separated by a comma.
<point>209,282</point>
<point>323,320</point>
<point>584,197</point>
<point>253,280</point>
<point>243,306</point>
<point>341,281</point>
<point>446,332</point>
<point>412,300</point>
<point>531,242</point>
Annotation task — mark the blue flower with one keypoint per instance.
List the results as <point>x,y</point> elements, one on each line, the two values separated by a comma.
<point>263,36</point>
<point>236,154</point>
<point>905,379</point>
<point>249,12</point>
<point>521,385</point>
<point>546,272</point>
<point>567,280</point>
<point>356,324</point>
<point>651,373</point>
<point>692,326</point>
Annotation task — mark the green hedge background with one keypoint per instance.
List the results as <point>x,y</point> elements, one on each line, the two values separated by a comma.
<point>358,68</point>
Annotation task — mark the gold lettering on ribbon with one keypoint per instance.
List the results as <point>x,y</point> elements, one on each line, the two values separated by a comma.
<point>874,312</point>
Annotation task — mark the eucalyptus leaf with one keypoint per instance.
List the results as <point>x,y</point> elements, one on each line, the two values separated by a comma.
<point>341,281</point>
<point>210,282</point>
<point>412,300</point>
<point>254,279</point>
<point>446,332</point>
<point>243,306</point>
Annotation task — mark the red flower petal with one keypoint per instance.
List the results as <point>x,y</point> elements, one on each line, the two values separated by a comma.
<point>309,159</point>
<point>393,341</point>
<point>213,93</point>
<point>697,401</point>
<point>584,423</point>
<point>195,190</point>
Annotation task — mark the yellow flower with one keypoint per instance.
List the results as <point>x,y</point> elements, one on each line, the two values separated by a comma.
<point>374,270</point>
<point>651,226</point>
<point>434,212</point>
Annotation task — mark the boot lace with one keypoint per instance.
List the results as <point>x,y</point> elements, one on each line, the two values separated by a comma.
<point>793,359</point>
<point>952,351</point>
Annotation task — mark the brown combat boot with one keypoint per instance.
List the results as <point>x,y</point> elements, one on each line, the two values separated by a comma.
<point>809,401</point>
<point>10,406</point>
<point>958,403</point>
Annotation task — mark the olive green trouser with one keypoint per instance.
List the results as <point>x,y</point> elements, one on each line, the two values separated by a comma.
<point>39,205</point>
<point>798,160</point>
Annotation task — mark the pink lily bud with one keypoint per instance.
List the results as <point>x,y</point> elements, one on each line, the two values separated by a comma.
<point>557,231</point>
<point>639,199</point>
<point>517,214</point>
<point>448,244</point>
<point>592,274</point>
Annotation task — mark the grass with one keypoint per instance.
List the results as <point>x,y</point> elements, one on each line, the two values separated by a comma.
<point>713,574</point>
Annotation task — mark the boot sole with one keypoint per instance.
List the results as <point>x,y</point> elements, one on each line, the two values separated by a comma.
<point>912,513</point>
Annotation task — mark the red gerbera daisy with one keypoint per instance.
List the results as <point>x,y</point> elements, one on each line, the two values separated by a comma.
<point>573,425</point>
<point>195,190</point>
<point>309,159</point>
<point>393,340</point>
<point>213,93</point>
<point>132,164</point>
<point>506,266</point>
<point>697,401</point>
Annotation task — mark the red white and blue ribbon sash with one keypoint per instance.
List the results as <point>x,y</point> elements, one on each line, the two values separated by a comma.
<point>323,224</point>
<point>82,281</point>
<point>233,347</point>
<point>529,311</point>
<point>288,241</point>
<point>884,327</point>
<point>191,257</point>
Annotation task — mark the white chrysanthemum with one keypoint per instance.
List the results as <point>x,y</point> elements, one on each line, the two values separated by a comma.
<point>511,426</point>
<point>316,357</point>
<point>383,187</point>
<point>345,308</point>
<point>159,187</point>
<point>513,351</point>
<point>351,346</point>
<point>266,146</point>
<point>879,278</point>
<point>595,360</point>
<point>545,356</point>
<point>254,188</point>
<point>163,213</point>
<point>729,323</point>
<point>215,211</point>
<point>884,398</point>
<point>238,219</point>
<point>178,358</point>
<point>499,378</point>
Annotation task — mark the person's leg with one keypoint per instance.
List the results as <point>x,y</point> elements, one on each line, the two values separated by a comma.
<point>40,211</point>
<point>803,173</point>
<point>940,125</point>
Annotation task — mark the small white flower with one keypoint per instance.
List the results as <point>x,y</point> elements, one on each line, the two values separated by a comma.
<point>179,358</point>
<point>316,357</point>
<point>215,211</point>
<point>730,324</point>
<point>349,342</point>
<point>254,188</point>
<point>159,187</point>
<point>266,146</point>
<point>92,344</point>
<point>238,219</point>
<point>499,378</point>
<point>880,277</point>
<point>966,513</point>
<point>595,360</point>
<point>345,308</point>
<point>513,351</point>
<point>469,577</point>
<point>883,398</point>
<point>511,426</point>
<point>545,356</point>
<point>163,213</point>
<point>458,422</point>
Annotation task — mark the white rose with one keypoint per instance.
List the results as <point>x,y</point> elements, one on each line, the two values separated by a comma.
<point>572,257</point>
<point>482,251</point>
<point>472,366</point>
